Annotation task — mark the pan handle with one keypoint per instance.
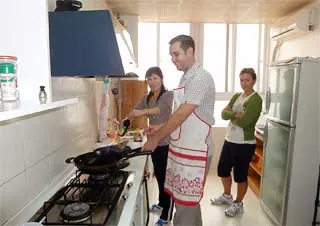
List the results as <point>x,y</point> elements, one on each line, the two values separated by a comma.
<point>70,160</point>
<point>138,153</point>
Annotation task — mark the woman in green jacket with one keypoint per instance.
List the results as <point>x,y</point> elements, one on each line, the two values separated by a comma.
<point>243,111</point>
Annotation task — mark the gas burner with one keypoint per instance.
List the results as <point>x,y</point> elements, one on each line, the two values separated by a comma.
<point>76,212</point>
<point>99,177</point>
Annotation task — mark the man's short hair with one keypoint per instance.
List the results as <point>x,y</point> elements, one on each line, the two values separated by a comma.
<point>186,42</point>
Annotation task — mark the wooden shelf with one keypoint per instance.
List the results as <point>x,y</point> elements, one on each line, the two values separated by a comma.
<point>258,136</point>
<point>255,168</point>
<point>254,182</point>
<point>259,152</point>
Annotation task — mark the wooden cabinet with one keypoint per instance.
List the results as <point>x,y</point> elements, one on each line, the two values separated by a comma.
<point>256,165</point>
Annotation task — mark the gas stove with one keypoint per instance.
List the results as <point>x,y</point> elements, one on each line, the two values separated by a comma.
<point>87,200</point>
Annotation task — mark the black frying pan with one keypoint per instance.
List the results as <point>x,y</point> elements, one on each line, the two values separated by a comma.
<point>104,159</point>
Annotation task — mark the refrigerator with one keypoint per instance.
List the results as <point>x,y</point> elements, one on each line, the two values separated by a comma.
<point>291,141</point>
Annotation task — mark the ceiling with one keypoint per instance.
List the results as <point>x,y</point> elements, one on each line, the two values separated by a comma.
<point>214,11</point>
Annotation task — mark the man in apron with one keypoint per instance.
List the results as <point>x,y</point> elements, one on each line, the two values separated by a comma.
<point>189,127</point>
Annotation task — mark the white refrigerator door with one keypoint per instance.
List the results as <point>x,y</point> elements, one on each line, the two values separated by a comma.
<point>281,96</point>
<point>276,162</point>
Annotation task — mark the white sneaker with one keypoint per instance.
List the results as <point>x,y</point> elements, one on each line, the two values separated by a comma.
<point>235,209</point>
<point>222,199</point>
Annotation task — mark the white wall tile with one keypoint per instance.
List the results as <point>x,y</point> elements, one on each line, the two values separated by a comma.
<point>11,151</point>
<point>82,144</point>
<point>35,139</point>
<point>37,176</point>
<point>2,219</point>
<point>56,129</point>
<point>71,121</point>
<point>15,196</point>
<point>57,159</point>
<point>42,144</point>
<point>56,84</point>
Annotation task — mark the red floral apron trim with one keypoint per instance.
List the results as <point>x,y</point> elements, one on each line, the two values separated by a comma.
<point>189,149</point>
<point>185,164</point>
<point>201,119</point>
<point>179,201</point>
<point>191,157</point>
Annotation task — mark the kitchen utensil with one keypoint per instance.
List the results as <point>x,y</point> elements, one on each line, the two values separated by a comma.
<point>125,127</point>
<point>105,159</point>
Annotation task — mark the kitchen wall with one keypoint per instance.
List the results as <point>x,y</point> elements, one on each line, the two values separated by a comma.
<point>33,148</point>
<point>304,46</point>
<point>25,34</point>
<point>132,27</point>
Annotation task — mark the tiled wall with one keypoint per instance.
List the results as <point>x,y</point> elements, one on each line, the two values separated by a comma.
<point>33,149</point>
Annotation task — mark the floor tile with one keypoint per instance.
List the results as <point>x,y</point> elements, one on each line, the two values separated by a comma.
<point>214,215</point>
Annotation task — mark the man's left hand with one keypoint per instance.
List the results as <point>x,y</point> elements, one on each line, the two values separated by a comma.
<point>150,145</point>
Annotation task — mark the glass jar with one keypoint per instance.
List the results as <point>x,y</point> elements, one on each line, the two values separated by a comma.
<point>8,78</point>
<point>42,95</point>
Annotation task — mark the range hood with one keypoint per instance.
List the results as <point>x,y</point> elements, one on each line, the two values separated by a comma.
<point>84,43</point>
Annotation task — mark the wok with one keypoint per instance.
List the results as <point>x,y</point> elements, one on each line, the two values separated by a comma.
<point>105,159</point>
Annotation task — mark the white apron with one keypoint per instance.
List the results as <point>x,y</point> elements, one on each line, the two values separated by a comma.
<point>187,157</point>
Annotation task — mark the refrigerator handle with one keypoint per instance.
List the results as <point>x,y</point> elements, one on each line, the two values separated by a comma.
<point>265,135</point>
<point>268,100</point>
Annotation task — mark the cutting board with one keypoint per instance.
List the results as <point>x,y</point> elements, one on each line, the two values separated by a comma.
<point>132,93</point>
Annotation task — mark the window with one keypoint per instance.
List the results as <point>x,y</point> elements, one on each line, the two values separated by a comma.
<point>147,52</point>
<point>227,48</point>
<point>238,46</point>
<point>167,32</point>
<point>218,107</point>
<point>247,50</point>
<point>214,53</point>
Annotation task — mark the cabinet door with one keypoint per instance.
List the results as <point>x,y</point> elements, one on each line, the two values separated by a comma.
<point>275,168</point>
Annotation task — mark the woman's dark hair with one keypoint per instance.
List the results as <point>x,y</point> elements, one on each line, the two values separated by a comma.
<point>249,71</point>
<point>157,71</point>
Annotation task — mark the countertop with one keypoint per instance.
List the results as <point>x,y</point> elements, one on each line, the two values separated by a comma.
<point>11,110</point>
<point>137,165</point>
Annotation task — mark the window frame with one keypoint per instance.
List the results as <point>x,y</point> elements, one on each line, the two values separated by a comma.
<point>197,32</point>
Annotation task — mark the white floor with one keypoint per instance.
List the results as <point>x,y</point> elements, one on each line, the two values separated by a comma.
<point>214,215</point>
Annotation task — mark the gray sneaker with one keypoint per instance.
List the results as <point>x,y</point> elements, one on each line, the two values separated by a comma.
<point>222,199</point>
<point>234,210</point>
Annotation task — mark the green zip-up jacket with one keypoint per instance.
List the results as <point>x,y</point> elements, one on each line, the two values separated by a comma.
<point>252,109</point>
